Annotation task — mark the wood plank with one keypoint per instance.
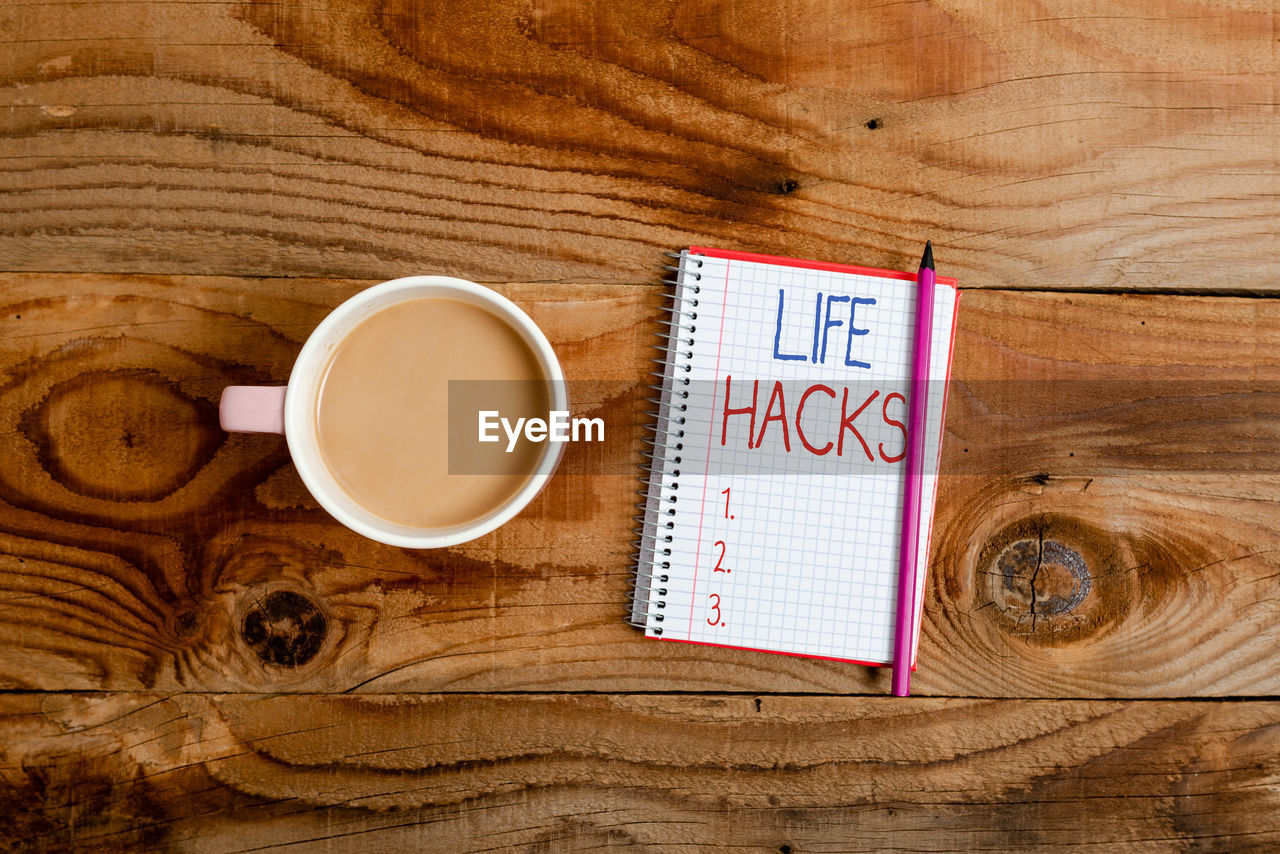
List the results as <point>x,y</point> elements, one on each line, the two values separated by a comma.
<point>1109,522</point>
<point>1050,144</point>
<point>136,539</point>
<point>570,773</point>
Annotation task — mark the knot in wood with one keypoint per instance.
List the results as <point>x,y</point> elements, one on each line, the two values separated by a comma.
<point>121,435</point>
<point>1051,579</point>
<point>1055,575</point>
<point>284,628</point>
<point>1039,582</point>
<point>185,624</point>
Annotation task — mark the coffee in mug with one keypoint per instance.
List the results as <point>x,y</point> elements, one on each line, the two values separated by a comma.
<point>371,418</point>
<point>383,415</point>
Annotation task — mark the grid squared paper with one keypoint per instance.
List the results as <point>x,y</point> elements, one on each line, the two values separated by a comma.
<point>803,558</point>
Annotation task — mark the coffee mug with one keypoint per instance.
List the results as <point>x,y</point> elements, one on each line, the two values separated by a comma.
<point>292,409</point>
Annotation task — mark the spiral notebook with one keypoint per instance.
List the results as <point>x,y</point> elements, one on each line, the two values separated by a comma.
<point>772,503</point>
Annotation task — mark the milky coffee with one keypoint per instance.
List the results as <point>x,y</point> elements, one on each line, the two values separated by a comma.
<point>383,419</point>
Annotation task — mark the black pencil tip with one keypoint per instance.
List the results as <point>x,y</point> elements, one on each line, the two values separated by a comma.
<point>926,263</point>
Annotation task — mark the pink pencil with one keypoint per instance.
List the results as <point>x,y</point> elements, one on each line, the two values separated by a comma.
<point>904,633</point>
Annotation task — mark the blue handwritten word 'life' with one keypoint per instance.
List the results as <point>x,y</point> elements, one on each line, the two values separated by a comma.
<point>823,323</point>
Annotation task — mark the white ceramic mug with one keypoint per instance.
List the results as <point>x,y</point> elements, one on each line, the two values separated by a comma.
<point>291,409</point>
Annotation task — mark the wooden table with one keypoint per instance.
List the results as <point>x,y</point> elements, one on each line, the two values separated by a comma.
<point>195,657</point>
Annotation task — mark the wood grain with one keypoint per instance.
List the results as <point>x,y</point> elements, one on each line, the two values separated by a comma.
<point>1109,521</point>
<point>195,657</point>
<point>1088,544</point>
<point>1049,144</point>
<point>499,773</point>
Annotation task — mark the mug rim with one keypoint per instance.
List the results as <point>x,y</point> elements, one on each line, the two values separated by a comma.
<point>300,427</point>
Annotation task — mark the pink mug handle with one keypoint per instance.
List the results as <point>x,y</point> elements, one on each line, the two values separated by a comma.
<point>252,409</point>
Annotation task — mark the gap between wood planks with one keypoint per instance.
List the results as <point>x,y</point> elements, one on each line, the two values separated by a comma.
<point>656,282</point>
<point>376,695</point>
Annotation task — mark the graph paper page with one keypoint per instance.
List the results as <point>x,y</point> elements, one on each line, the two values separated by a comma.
<point>794,550</point>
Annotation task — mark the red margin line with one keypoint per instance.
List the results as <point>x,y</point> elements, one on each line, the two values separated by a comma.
<point>706,469</point>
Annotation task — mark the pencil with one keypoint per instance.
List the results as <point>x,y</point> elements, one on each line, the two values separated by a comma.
<point>904,632</point>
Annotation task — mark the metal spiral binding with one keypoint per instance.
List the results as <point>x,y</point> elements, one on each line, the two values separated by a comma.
<point>661,459</point>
